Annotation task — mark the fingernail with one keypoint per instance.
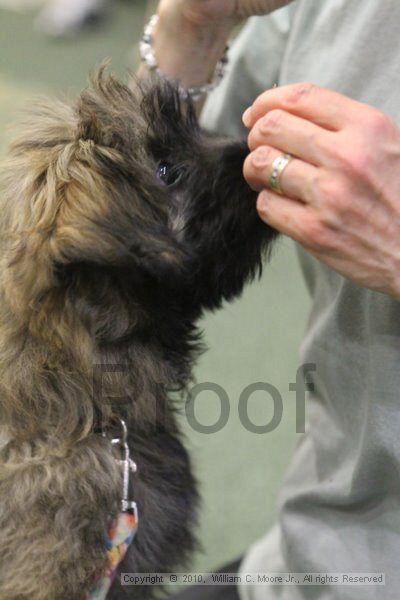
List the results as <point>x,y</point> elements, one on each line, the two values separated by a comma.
<point>246,118</point>
<point>262,201</point>
<point>260,157</point>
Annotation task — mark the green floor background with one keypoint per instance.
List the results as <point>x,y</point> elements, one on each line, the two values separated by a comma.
<point>252,340</point>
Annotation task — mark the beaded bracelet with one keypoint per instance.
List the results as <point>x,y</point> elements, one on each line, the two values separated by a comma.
<point>195,93</point>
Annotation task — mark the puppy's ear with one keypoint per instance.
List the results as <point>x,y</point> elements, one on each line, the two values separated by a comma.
<point>107,111</point>
<point>31,193</point>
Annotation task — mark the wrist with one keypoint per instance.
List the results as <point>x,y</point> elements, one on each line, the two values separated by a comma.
<point>186,50</point>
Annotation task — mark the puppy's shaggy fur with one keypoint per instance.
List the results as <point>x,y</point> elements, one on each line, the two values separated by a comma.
<point>121,221</point>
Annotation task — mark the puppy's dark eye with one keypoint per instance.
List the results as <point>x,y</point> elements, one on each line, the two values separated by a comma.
<point>169,174</point>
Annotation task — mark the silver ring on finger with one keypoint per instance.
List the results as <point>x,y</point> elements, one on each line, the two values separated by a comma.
<point>278,166</point>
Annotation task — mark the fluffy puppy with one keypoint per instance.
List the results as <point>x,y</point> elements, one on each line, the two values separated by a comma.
<point>120,223</point>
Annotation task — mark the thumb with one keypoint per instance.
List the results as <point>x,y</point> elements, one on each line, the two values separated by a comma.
<point>249,8</point>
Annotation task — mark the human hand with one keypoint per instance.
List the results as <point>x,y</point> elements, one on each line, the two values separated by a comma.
<point>341,192</point>
<point>208,12</point>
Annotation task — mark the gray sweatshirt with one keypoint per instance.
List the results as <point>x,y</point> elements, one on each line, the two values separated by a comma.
<point>339,507</point>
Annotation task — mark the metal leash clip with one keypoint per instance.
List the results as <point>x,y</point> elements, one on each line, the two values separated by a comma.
<point>128,467</point>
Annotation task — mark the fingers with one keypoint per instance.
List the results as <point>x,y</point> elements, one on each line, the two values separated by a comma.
<point>288,216</point>
<point>323,107</point>
<point>296,179</point>
<point>297,220</point>
<point>292,135</point>
<point>246,8</point>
